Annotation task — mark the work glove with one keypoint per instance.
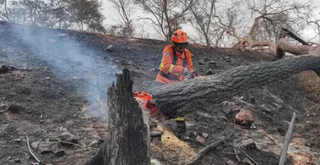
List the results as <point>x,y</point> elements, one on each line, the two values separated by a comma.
<point>194,74</point>
<point>185,71</point>
<point>188,76</point>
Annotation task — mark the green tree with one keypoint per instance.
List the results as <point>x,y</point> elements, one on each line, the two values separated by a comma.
<point>67,14</point>
<point>32,12</point>
<point>86,14</point>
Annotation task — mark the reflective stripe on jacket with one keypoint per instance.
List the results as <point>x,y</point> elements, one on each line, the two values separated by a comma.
<point>172,64</point>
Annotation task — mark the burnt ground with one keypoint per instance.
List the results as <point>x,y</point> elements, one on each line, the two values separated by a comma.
<point>53,91</point>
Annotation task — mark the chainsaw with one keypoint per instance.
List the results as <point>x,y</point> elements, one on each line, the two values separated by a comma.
<point>145,99</point>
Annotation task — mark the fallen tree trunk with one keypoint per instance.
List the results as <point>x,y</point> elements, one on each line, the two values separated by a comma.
<point>182,98</point>
<point>127,141</point>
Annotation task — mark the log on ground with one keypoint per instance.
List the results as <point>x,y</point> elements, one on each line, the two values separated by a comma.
<point>181,98</point>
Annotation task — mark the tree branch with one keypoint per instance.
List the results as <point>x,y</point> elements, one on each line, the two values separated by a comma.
<point>295,36</point>
<point>31,153</point>
<point>286,141</point>
<point>207,149</point>
<point>251,159</point>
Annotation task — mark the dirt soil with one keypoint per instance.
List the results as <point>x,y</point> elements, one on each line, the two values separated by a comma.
<point>53,97</point>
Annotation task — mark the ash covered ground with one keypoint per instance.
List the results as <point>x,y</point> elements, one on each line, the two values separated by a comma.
<point>53,91</point>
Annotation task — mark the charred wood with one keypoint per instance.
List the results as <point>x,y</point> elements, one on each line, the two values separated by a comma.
<point>205,150</point>
<point>181,98</point>
<point>279,52</point>
<point>244,153</point>
<point>127,141</point>
<point>287,139</point>
<point>288,32</point>
<point>31,153</point>
<point>208,149</point>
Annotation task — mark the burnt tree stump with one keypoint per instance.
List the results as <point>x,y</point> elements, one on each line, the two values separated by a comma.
<point>182,98</point>
<point>127,141</point>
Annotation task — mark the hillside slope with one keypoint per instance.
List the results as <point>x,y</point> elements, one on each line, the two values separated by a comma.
<point>53,91</point>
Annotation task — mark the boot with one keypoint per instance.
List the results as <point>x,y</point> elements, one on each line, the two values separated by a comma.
<point>181,128</point>
<point>176,125</point>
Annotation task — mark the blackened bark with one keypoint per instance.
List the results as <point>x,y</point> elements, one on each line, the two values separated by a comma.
<point>127,142</point>
<point>182,98</point>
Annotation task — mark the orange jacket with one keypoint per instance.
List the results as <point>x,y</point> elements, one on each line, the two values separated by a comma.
<point>171,68</point>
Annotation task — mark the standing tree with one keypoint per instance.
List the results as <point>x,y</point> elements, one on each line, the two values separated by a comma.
<point>58,14</point>
<point>29,12</point>
<point>86,14</point>
<point>168,14</point>
<point>203,13</point>
<point>126,9</point>
<point>82,14</point>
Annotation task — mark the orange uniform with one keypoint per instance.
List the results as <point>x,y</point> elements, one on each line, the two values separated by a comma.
<point>172,64</point>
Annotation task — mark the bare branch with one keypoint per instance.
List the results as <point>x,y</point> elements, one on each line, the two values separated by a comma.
<point>125,9</point>
<point>208,149</point>
<point>30,151</point>
<point>205,150</point>
<point>203,13</point>
<point>251,159</point>
<point>165,13</point>
<point>270,17</point>
<point>286,141</point>
<point>4,19</point>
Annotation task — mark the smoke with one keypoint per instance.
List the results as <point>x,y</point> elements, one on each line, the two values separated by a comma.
<point>72,60</point>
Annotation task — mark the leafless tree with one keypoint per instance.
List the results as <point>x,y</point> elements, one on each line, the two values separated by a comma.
<point>126,9</point>
<point>314,24</point>
<point>142,32</point>
<point>213,19</point>
<point>167,14</point>
<point>202,19</point>
<point>269,17</point>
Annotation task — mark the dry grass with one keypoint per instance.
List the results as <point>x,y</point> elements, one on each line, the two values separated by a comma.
<point>310,82</point>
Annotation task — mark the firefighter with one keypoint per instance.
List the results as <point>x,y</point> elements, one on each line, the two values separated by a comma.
<point>176,65</point>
